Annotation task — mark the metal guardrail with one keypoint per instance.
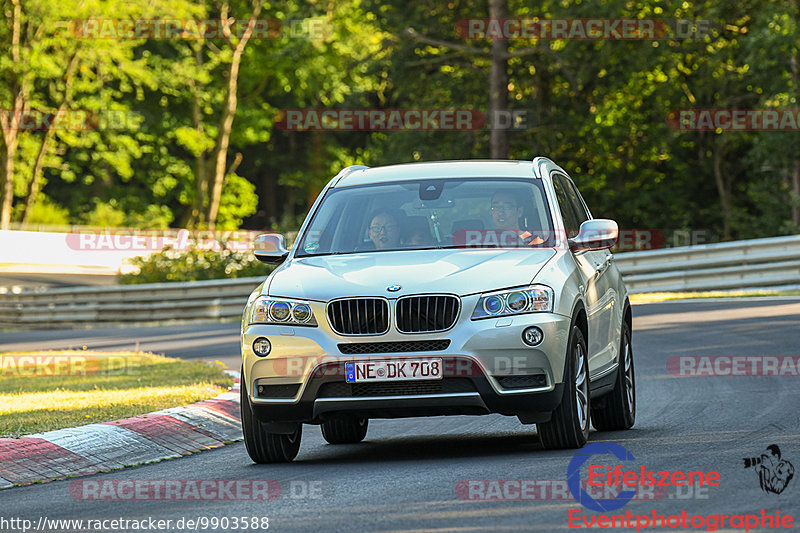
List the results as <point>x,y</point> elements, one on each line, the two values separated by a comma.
<point>129,304</point>
<point>751,264</point>
<point>760,263</point>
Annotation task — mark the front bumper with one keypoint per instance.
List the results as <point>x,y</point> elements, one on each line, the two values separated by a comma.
<point>487,369</point>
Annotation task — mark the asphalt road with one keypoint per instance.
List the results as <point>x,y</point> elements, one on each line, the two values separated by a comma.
<point>188,341</point>
<point>17,279</point>
<point>405,476</point>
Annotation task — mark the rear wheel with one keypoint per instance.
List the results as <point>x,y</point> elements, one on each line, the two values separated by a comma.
<point>345,430</point>
<point>569,424</point>
<point>618,410</point>
<point>262,446</point>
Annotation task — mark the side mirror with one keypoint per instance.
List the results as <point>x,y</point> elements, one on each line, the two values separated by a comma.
<point>271,248</point>
<point>596,234</point>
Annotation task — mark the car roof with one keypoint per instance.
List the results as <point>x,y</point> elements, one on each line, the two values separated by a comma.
<point>478,168</point>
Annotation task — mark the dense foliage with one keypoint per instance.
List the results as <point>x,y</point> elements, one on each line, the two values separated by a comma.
<point>191,265</point>
<point>598,107</point>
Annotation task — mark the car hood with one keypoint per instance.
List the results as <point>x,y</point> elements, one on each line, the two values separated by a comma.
<point>459,272</point>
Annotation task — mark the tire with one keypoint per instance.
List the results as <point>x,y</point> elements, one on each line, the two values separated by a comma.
<point>264,447</point>
<point>569,424</point>
<point>345,430</point>
<point>618,409</point>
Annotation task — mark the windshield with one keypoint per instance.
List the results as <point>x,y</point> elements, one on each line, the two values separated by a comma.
<point>430,213</point>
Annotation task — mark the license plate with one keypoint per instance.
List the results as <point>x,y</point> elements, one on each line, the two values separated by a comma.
<point>396,370</point>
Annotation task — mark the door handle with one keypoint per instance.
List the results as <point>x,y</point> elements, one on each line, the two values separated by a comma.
<point>601,267</point>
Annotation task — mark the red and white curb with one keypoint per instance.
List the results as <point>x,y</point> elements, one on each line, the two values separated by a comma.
<point>132,441</point>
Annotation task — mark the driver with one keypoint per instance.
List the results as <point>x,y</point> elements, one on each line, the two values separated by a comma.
<point>384,231</point>
<point>506,213</point>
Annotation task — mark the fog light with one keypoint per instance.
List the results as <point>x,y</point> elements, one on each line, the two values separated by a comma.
<point>532,336</point>
<point>262,347</point>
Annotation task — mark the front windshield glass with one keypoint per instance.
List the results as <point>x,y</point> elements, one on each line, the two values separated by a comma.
<point>430,213</point>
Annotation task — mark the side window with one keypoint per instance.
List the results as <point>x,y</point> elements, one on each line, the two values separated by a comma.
<point>575,200</point>
<point>564,205</point>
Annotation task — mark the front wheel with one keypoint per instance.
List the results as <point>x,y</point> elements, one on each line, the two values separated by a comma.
<point>569,424</point>
<point>344,430</point>
<point>618,410</point>
<point>262,446</point>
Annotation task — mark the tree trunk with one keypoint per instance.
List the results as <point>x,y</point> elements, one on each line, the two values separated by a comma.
<point>316,169</point>
<point>38,168</point>
<point>795,196</point>
<point>498,85</point>
<point>226,121</point>
<point>10,135</point>
<point>498,77</point>
<point>722,190</point>
<point>197,218</point>
<point>268,200</point>
<point>8,179</point>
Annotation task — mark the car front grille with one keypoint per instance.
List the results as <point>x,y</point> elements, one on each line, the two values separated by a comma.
<point>426,314</point>
<point>394,347</point>
<point>395,388</point>
<point>359,316</point>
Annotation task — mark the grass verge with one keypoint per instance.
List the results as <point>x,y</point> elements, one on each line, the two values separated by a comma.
<point>42,391</point>
<point>664,296</point>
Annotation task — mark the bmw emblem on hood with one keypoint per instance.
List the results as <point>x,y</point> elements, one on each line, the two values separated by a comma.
<point>393,288</point>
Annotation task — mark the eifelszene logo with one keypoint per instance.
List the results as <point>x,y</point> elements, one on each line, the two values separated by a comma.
<point>574,476</point>
<point>774,473</point>
<point>617,476</point>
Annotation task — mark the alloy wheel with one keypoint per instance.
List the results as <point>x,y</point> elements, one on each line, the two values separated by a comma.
<point>581,387</point>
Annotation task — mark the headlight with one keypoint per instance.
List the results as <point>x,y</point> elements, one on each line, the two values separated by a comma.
<point>267,310</point>
<point>531,299</point>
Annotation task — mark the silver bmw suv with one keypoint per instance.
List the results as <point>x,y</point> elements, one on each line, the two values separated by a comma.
<point>445,288</point>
